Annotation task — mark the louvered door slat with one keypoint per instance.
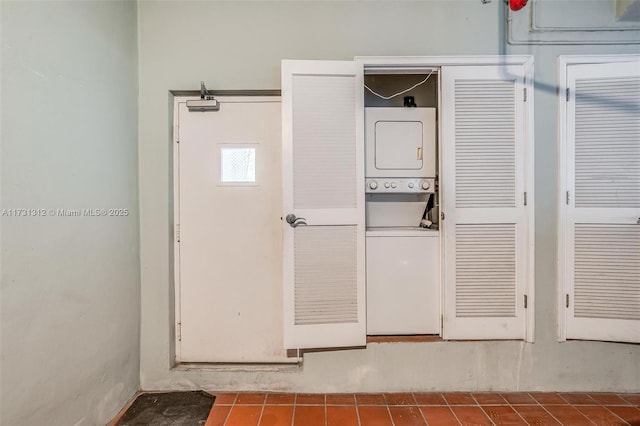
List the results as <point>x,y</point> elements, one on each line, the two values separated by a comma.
<point>324,157</point>
<point>326,274</point>
<point>603,171</point>
<point>484,226</point>
<point>485,270</point>
<point>485,168</point>
<point>607,112</point>
<point>607,282</point>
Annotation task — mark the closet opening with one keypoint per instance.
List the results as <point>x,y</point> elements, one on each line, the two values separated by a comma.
<point>402,205</point>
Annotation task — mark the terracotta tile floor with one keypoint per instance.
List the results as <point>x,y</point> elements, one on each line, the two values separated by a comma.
<point>411,409</point>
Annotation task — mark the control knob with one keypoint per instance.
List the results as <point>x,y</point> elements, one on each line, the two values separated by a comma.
<point>373,184</point>
<point>393,184</point>
<point>386,184</point>
<point>425,185</point>
<point>410,184</point>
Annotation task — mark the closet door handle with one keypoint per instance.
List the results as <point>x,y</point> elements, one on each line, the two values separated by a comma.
<point>294,221</point>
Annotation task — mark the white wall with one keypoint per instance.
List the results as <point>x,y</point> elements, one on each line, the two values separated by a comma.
<point>70,285</point>
<point>239,45</point>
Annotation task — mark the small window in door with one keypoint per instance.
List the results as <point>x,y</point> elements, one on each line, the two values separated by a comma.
<point>237,164</point>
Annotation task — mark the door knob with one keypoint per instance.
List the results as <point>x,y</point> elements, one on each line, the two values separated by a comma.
<point>294,221</point>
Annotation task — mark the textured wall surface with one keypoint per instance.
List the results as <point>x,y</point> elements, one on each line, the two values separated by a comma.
<point>70,284</point>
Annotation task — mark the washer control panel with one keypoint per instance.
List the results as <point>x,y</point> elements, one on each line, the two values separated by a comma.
<point>397,185</point>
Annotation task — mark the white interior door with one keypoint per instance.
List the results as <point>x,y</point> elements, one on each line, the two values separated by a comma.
<point>323,180</point>
<point>485,262</point>
<point>602,258</point>
<point>229,254</point>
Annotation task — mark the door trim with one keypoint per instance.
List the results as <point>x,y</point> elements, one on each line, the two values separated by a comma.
<point>563,63</point>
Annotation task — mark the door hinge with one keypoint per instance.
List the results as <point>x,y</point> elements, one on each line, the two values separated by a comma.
<point>567,197</point>
<point>179,332</point>
<point>441,215</point>
<point>525,94</point>
<point>567,301</point>
<point>177,232</point>
<point>567,94</point>
<point>525,301</point>
<point>525,198</point>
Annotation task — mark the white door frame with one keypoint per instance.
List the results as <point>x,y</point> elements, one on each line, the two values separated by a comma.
<point>176,221</point>
<point>180,100</point>
<point>563,63</point>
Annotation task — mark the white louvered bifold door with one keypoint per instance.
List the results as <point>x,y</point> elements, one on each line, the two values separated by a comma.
<point>484,226</point>
<point>323,178</point>
<point>602,259</point>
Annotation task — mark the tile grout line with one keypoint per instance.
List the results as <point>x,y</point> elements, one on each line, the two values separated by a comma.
<point>324,401</point>
<point>563,398</point>
<point>538,403</point>
<point>264,403</point>
<point>419,410</point>
<point>585,416</point>
<point>620,396</point>
<point>355,405</point>
<point>510,405</point>
<point>541,405</point>
<point>454,414</point>
<point>574,407</point>
<point>487,415</point>
<point>233,404</point>
<point>260,415</point>
<point>551,414</point>
<point>451,409</point>
<point>325,410</point>
<point>626,423</point>
<point>393,423</point>
<point>293,412</point>
<point>482,409</point>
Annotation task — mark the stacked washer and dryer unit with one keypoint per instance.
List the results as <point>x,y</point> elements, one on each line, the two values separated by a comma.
<point>402,257</point>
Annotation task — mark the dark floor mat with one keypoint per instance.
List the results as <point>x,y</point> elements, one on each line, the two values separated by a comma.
<point>168,409</point>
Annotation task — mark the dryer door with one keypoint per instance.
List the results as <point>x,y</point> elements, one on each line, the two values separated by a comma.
<point>400,142</point>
